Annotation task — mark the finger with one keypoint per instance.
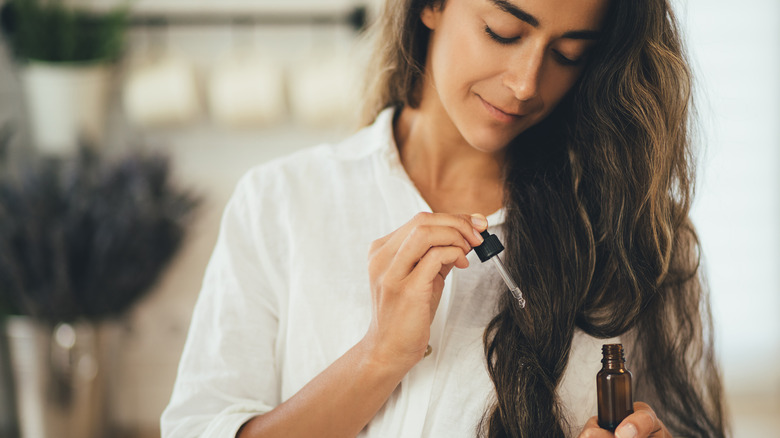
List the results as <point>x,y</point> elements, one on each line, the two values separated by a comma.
<point>377,244</point>
<point>479,222</point>
<point>445,270</point>
<point>430,266</point>
<point>383,251</point>
<point>642,423</point>
<point>421,240</point>
<point>592,430</point>
<point>402,249</point>
<point>461,222</point>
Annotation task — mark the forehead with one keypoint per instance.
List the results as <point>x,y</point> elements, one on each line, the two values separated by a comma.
<point>562,15</point>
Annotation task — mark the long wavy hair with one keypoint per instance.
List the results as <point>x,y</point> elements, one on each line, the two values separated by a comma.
<point>597,198</point>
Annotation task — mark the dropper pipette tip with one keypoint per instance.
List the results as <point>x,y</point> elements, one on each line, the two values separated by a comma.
<point>489,250</point>
<point>510,283</point>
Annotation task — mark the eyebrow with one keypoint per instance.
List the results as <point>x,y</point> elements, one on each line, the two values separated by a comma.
<point>522,15</point>
<point>505,6</point>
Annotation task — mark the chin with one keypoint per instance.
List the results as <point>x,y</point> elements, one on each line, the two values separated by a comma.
<point>490,140</point>
<point>487,144</point>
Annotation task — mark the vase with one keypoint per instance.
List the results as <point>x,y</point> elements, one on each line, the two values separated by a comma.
<point>66,103</point>
<point>8,426</point>
<point>63,375</point>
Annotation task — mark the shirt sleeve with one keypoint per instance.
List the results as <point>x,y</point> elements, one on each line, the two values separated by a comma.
<point>227,373</point>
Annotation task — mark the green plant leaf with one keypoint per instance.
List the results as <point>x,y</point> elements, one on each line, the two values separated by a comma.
<point>50,31</point>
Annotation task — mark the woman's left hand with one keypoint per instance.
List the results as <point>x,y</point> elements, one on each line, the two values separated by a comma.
<point>641,424</point>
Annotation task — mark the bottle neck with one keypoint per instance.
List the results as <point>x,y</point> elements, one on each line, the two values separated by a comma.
<point>613,364</point>
<point>613,358</point>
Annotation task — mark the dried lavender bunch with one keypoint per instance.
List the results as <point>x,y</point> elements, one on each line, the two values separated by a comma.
<point>86,237</point>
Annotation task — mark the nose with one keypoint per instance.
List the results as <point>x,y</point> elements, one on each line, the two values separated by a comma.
<point>523,73</point>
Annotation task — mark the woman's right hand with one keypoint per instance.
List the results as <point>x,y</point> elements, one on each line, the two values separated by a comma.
<point>407,270</point>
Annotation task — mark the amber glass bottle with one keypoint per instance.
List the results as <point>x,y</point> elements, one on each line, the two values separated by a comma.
<point>613,385</point>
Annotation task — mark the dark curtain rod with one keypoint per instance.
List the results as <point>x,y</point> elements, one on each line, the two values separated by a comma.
<point>355,18</point>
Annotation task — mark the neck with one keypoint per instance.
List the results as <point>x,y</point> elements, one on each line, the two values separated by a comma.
<point>452,176</point>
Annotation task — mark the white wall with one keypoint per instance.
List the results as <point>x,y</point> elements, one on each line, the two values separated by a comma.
<point>735,49</point>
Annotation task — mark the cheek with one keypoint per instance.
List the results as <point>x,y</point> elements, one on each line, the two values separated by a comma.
<point>457,60</point>
<point>557,84</point>
<point>554,88</point>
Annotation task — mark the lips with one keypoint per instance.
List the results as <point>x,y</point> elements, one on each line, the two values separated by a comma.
<point>498,113</point>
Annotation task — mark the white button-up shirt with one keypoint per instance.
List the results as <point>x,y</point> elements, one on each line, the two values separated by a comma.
<point>287,292</point>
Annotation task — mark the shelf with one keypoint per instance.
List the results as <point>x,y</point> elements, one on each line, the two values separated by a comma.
<point>251,12</point>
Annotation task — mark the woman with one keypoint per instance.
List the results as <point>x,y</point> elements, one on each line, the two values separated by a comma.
<point>562,125</point>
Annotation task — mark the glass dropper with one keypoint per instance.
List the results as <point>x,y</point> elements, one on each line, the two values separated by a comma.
<point>489,251</point>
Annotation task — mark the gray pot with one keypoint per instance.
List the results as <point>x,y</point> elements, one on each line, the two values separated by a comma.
<point>62,376</point>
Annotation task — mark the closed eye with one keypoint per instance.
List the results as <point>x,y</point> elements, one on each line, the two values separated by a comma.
<point>498,38</point>
<point>563,60</point>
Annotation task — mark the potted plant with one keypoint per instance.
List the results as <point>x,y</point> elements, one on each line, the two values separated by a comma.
<point>66,58</point>
<point>82,239</point>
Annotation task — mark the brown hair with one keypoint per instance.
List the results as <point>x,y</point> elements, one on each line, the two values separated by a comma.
<point>597,228</point>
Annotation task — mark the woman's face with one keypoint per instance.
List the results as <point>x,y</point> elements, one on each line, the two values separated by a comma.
<point>497,67</point>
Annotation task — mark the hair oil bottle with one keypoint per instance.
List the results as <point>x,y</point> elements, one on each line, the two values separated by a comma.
<point>613,386</point>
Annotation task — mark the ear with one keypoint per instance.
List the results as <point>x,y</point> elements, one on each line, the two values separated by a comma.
<point>431,15</point>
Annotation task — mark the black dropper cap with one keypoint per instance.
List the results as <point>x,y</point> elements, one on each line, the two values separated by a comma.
<point>490,247</point>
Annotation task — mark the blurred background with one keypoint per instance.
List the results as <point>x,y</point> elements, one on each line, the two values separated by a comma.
<point>210,89</point>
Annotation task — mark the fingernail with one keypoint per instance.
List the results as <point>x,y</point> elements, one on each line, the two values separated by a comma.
<point>626,431</point>
<point>479,221</point>
<point>478,236</point>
